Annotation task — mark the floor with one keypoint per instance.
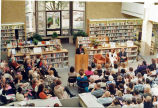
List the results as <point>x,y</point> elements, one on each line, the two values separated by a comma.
<point>71,48</point>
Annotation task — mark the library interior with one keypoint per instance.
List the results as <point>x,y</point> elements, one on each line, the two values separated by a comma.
<point>79,54</point>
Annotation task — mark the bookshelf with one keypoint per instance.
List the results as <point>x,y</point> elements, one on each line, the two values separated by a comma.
<point>8,34</point>
<point>86,41</point>
<point>58,58</point>
<point>132,52</point>
<point>118,30</point>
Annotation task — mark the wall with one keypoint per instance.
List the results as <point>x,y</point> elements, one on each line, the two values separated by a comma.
<point>96,10</point>
<point>13,11</point>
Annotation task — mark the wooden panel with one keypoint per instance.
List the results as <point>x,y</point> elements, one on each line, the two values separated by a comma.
<point>81,62</point>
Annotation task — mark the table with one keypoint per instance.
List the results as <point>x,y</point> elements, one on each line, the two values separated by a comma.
<point>38,102</point>
<point>88,100</point>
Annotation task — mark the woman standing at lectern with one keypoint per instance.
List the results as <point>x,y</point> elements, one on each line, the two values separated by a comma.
<point>80,50</point>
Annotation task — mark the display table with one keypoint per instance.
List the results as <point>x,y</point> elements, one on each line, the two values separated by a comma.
<point>88,100</point>
<point>38,102</point>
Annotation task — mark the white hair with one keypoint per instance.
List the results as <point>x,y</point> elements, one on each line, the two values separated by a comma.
<point>111,78</point>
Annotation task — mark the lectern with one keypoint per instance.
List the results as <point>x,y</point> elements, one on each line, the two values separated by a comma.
<point>81,62</point>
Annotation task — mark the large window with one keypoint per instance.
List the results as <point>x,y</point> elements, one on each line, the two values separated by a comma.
<point>59,16</point>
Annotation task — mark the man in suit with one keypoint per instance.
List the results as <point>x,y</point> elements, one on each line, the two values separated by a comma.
<point>123,55</point>
<point>80,50</point>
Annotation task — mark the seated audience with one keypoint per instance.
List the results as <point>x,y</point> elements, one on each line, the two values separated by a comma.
<point>89,72</point>
<point>97,91</point>
<point>152,66</point>
<point>106,98</point>
<point>115,104</point>
<point>72,72</point>
<point>41,93</point>
<point>148,102</point>
<point>95,77</point>
<point>99,70</point>
<point>19,95</point>
<point>141,68</point>
<point>91,84</point>
<point>59,91</point>
<point>131,72</point>
<point>82,80</point>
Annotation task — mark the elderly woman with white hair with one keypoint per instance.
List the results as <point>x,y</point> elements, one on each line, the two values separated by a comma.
<point>111,80</point>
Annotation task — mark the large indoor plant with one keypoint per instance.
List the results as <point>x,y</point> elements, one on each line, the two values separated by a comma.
<point>79,33</point>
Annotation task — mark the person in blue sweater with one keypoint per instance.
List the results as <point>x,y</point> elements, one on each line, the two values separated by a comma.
<point>82,81</point>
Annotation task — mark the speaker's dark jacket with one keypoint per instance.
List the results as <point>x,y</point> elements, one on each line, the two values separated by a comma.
<point>78,51</point>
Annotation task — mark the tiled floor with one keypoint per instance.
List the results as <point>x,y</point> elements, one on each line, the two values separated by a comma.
<point>71,48</point>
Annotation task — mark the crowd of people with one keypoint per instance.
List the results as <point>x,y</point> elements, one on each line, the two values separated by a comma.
<point>113,85</point>
<point>32,79</point>
<point>118,86</point>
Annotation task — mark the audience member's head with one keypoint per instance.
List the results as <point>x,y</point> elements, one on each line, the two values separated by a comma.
<point>131,69</point>
<point>116,102</point>
<point>115,66</point>
<point>95,73</point>
<point>144,63</point>
<point>139,100</point>
<point>56,105</point>
<point>99,66</point>
<point>89,68</point>
<point>72,69</point>
<point>81,72</point>
<point>20,90</point>
<point>58,82</point>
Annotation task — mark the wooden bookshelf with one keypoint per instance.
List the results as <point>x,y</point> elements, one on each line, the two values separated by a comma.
<point>118,30</point>
<point>86,41</point>
<point>132,52</point>
<point>8,34</point>
<point>58,58</point>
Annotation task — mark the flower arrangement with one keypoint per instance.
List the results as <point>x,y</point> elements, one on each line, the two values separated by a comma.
<point>95,43</point>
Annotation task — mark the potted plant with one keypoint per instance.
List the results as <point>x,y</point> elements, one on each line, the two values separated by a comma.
<point>36,38</point>
<point>95,43</point>
<point>54,35</point>
<point>35,41</point>
<point>79,33</point>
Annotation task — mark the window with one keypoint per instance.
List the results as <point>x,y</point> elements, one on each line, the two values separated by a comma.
<point>59,16</point>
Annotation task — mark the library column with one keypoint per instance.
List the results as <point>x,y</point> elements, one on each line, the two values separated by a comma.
<point>146,31</point>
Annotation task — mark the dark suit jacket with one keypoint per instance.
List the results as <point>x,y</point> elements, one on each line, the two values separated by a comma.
<point>122,54</point>
<point>79,52</point>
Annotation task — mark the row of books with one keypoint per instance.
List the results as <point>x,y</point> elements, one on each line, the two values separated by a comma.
<point>117,23</point>
<point>63,65</point>
<point>57,60</point>
<point>59,55</point>
<point>12,27</point>
<point>111,27</point>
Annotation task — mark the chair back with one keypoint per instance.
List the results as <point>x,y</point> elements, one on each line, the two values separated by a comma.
<point>72,79</point>
<point>98,56</point>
